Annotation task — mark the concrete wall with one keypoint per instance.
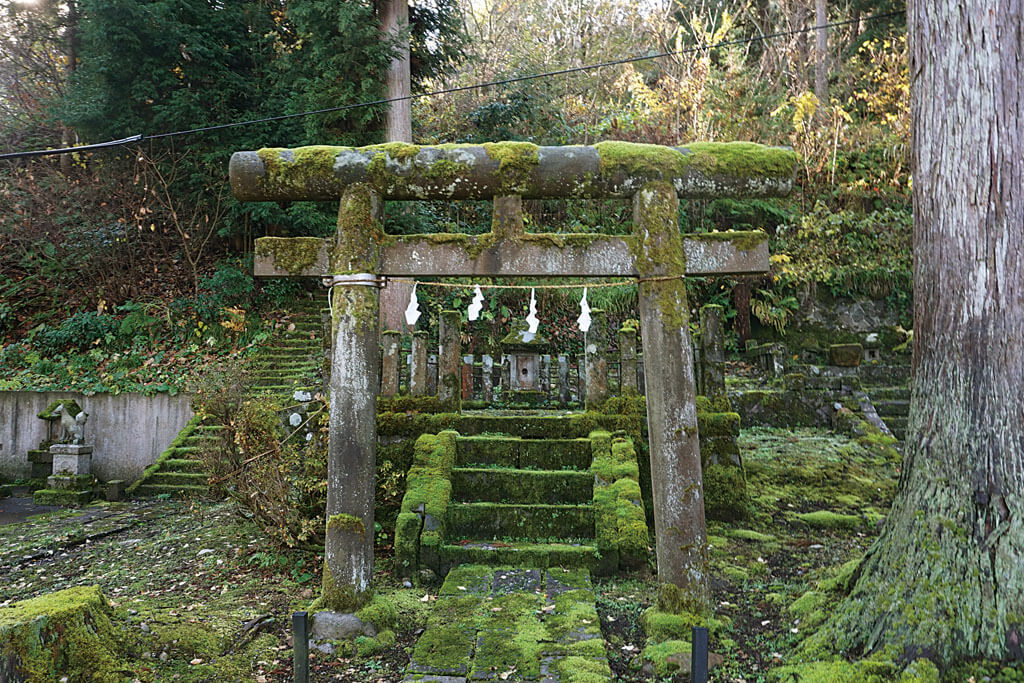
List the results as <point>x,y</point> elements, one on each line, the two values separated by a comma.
<point>128,431</point>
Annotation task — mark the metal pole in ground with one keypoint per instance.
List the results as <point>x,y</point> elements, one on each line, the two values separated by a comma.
<point>300,647</point>
<point>699,655</point>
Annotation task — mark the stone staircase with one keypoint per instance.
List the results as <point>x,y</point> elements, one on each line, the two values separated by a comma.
<point>289,362</point>
<point>515,500</point>
<point>178,472</point>
<point>892,405</point>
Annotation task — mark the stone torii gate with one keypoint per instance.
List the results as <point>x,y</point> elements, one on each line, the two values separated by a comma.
<point>361,253</point>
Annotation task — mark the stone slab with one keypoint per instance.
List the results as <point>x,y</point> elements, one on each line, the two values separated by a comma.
<point>71,463</point>
<point>339,626</point>
<point>70,449</point>
<point>61,497</point>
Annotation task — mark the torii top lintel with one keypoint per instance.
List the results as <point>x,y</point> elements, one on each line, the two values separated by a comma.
<point>401,171</point>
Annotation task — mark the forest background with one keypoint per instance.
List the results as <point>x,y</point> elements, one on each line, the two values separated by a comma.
<point>128,268</point>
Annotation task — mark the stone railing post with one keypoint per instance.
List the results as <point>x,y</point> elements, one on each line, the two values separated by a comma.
<point>418,366</point>
<point>487,378</point>
<point>671,413</point>
<point>712,356</point>
<point>449,360</point>
<point>627,361</point>
<point>389,363</point>
<point>352,441</point>
<point>595,344</point>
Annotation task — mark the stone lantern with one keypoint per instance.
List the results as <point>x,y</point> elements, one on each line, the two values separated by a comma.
<point>523,350</point>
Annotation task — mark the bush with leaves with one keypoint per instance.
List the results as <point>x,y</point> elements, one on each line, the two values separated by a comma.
<point>262,464</point>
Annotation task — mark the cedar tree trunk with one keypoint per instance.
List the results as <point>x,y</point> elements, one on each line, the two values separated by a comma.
<point>946,578</point>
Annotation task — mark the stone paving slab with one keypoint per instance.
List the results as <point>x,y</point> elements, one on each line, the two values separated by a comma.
<point>494,624</point>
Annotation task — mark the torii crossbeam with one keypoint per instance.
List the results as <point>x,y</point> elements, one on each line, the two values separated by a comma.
<point>654,177</point>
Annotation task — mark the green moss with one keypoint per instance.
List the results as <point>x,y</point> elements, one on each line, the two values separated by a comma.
<point>346,524</point>
<point>630,158</point>
<point>342,597</point>
<point>826,519</point>
<point>294,255</point>
<point>367,647</point>
<point>737,575</point>
<point>380,611</point>
<point>717,404</point>
<point>750,535</point>
<point>658,251</point>
<point>725,492</point>
<point>809,608</point>
<point>666,657</point>
<point>399,151</point>
<point>305,166</point>
<point>619,520</point>
<point>517,161</point>
<point>842,582</point>
<point>718,424</point>
<point>67,633</point>
<point>674,600</point>
<point>189,640</point>
<point>575,669</point>
<point>865,671</point>
<point>360,234</point>
<point>742,159</point>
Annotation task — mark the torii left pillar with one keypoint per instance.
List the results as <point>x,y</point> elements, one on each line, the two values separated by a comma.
<point>352,440</point>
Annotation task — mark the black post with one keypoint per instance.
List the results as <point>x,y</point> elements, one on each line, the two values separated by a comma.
<point>699,656</point>
<point>300,647</point>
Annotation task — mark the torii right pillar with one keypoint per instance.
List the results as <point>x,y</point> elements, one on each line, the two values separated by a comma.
<point>671,411</point>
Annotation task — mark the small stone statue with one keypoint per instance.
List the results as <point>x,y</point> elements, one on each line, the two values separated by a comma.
<point>72,426</point>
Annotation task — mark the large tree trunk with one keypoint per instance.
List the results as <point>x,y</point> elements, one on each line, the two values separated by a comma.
<point>821,54</point>
<point>394,19</point>
<point>946,578</point>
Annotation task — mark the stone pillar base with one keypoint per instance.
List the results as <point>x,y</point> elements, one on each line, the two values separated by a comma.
<point>71,458</point>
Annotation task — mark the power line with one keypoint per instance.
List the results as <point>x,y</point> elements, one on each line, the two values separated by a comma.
<point>446,91</point>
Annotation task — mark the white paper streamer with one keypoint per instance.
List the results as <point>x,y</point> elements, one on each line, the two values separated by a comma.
<point>531,319</point>
<point>412,312</point>
<point>584,320</point>
<point>476,304</point>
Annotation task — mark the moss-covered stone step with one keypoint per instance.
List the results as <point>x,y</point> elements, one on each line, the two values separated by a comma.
<point>183,465</point>
<point>492,624</point>
<point>505,484</point>
<point>897,424</point>
<point>879,394</point>
<point>525,426</point>
<point>517,452</point>
<point>289,362</point>
<point>887,408</point>
<point>148,490</point>
<point>501,520</point>
<point>522,554</point>
<point>180,479</point>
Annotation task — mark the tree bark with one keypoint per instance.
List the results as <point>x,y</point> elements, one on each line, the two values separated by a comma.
<point>394,20</point>
<point>944,580</point>
<point>821,53</point>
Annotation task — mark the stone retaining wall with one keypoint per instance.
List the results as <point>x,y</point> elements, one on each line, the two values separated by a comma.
<point>128,431</point>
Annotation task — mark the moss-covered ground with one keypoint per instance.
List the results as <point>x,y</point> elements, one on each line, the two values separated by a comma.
<point>204,598</point>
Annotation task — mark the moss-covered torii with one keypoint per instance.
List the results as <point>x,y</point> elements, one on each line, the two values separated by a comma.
<point>655,177</point>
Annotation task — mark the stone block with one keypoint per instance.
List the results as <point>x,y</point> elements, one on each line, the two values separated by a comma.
<point>67,635</point>
<point>340,626</point>
<point>113,490</point>
<point>41,457</point>
<point>70,482</point>
<point>71,458</point>
<point>61,497</point>
<point>845,355</point>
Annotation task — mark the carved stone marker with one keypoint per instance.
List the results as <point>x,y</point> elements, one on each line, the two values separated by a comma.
<point>654,177</point>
